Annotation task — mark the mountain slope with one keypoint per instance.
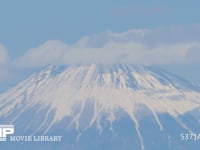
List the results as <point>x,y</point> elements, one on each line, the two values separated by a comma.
<point>101,99</point>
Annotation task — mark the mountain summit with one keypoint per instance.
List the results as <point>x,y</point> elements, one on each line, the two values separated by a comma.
<point>105,107</point>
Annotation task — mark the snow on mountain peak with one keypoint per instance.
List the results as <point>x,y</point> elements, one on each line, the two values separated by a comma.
<point>118,86</point>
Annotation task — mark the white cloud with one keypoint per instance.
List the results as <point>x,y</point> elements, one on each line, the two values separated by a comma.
<point>193,55</point>
<point>51,52</point>
<point>128,52</point>
<point>139,46</point>
<point>4,74</point>
<point>3,55</point>
<point>4,64</point>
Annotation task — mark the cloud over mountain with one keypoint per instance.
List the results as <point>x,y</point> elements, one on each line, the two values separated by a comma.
<point>138,46</point>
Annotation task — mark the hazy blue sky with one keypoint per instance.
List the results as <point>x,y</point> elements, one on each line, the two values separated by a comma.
<point>25,25</point>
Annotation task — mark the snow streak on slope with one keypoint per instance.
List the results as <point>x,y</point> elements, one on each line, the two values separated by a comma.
<point>125,87</point>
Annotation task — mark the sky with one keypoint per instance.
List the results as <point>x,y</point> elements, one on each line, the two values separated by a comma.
<point>41,32</point>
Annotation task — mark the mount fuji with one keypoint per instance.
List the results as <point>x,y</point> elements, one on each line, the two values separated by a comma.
<point>96,107</point>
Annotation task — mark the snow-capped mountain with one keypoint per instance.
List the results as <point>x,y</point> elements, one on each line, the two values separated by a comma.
<point>114,107</point>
